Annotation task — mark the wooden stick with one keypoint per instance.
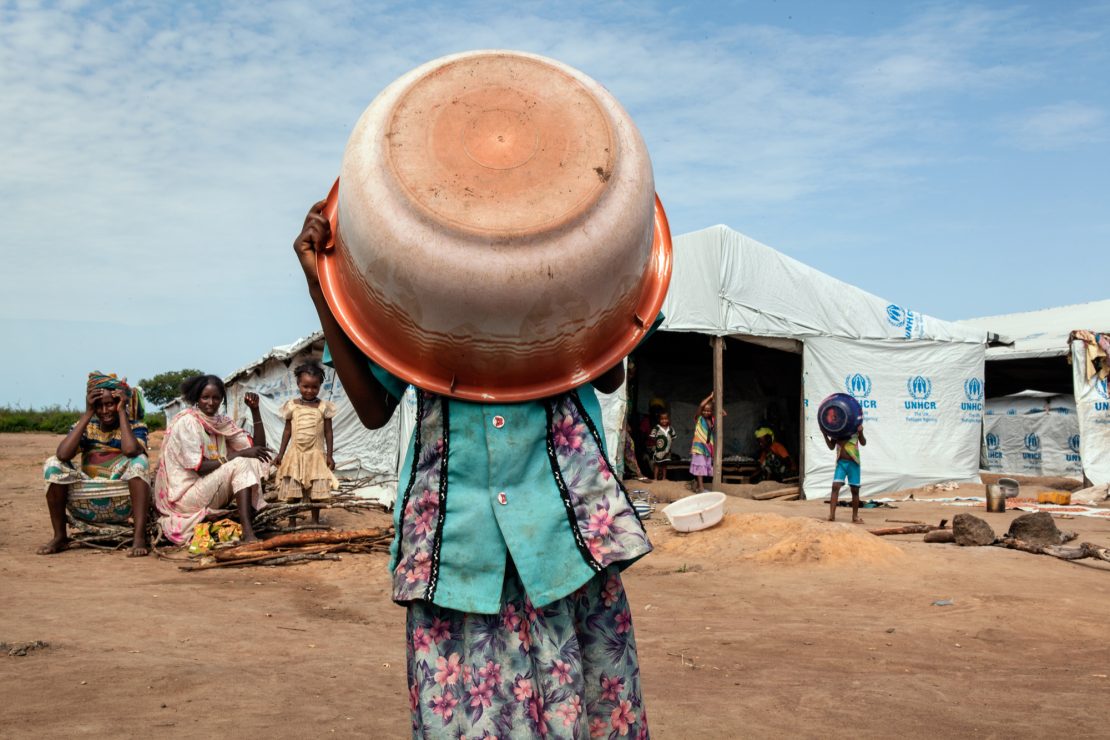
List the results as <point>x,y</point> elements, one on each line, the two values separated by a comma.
<point>311,538</point>
<point>909,529</point>
<point>1084,550</point>
<point>270,558</point>
<point>765,495</point>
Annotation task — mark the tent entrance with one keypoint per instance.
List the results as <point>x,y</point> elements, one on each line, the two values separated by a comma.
<point>762,387</point>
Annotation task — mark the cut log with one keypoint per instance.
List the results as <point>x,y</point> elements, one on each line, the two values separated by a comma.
<point>313,538</point>
<point>1084,550</point>
<point>765,495</point>
<point>909,529</point>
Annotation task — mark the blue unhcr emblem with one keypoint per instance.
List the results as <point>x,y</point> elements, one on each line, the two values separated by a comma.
<point>858,385</point>
<point>1032,442</point>
<point>919,387</point>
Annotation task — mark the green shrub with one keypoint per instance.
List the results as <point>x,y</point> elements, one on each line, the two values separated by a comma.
<point>55,419</point>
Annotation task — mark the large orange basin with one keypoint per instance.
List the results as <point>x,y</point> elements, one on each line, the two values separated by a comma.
<point>496,231</point>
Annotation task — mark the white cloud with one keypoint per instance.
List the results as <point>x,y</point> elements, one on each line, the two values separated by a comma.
<point>1059,126</point>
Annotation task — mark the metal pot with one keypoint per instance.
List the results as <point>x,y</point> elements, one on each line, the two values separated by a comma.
<point>497,234</point>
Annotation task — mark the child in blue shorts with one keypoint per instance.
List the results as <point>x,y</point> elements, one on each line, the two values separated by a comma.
<point>847,469</point>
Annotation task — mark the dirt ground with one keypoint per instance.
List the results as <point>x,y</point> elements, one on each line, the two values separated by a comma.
<point>772,624</point>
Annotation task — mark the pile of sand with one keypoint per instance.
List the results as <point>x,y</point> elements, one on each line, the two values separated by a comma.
<point>775,539</point>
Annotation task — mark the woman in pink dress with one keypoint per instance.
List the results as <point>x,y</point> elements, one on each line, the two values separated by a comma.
<point>207,461</point>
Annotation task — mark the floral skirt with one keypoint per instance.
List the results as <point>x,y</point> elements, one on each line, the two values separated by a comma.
<point>567,670</point>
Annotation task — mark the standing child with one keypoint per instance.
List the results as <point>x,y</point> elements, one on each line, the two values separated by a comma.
<point>662,435</point>
<point>701,450</point>
<point>304,470</point>
<point>847,468</point>
<point>510,534</point>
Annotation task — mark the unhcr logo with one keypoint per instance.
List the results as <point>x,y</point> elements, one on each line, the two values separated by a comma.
<point>993,453</point>
<point>920,388</point>
<point>901,318</point>
<point>1073,445</point>
<point>1100,388</point>
<point>859,386</point>
<point>1032,447</point>
<point>973,391</point>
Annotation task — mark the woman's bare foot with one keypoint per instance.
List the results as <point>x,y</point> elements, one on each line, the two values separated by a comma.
<point>857,520</point>
<point>832,518</point>
<point>248,538</point>
<point>54,546</point>
<point>138,550</point>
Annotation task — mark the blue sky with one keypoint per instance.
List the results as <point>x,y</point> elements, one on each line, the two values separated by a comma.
<point>158,157</point>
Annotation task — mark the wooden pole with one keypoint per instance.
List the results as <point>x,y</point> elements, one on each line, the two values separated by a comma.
<point>718,406</point>
<point>802,438</point>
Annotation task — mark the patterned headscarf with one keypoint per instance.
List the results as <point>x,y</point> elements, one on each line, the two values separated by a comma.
<point>136,407</point>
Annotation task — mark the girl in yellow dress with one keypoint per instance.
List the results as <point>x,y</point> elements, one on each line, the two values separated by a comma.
<point>304,467</point>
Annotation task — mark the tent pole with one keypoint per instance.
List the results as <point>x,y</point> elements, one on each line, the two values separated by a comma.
<point>718,406</point>
<point>802,427</point>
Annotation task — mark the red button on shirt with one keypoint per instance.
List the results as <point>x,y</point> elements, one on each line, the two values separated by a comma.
<point>498,422</point>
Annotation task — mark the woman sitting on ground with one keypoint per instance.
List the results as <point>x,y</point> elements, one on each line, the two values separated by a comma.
<point>206,461</point>
<point>111,438</point>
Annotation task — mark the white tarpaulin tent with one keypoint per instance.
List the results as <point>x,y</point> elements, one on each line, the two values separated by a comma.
<point>1039,337</point>
<point>1031,433</point>
<point>360,453</point>
<point>1092,406</point>
<point>919,379</point>
<point>1040,333</point>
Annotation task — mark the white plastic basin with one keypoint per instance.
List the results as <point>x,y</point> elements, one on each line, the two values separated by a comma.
<point>700,511</point>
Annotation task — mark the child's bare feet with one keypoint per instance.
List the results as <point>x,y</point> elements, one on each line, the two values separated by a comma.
<point>54,546</point>
<point>138,550</point>
<point>832,518</point>
<point>857,520</point>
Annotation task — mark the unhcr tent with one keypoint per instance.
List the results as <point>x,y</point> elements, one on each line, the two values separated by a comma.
<point>1031,433</point>
<point>1032,351</point>
<point>919,379</point>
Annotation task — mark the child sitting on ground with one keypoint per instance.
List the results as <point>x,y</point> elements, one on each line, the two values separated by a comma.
<point>847,468</point>
<point>304,469</point>
<point>662,434</point>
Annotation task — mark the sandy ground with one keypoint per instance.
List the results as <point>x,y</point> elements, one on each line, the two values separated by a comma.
<point>765,626</point>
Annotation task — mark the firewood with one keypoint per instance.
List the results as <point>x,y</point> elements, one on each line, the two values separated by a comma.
<point>909,529</point>
<point>765,495</point>
<point>313,538</point>
<point>1084,550</point>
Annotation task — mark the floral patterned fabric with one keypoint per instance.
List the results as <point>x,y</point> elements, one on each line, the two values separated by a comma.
<point>603,513</point>
<point>420,507</point>
<point>566,670</point>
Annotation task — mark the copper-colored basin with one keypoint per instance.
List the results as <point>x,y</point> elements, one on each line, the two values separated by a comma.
<point>497,234</point>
